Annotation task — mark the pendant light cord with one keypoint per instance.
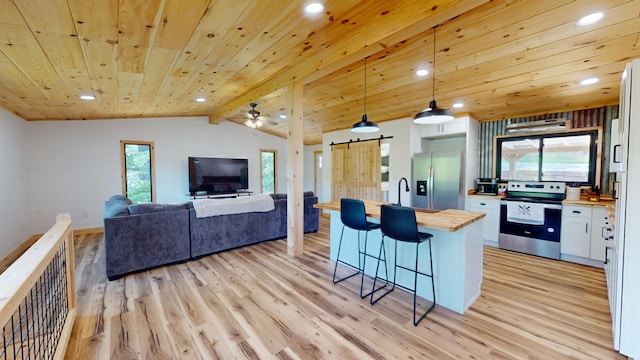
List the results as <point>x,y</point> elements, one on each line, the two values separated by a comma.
<point>365,86</point>
<point>433,79</point>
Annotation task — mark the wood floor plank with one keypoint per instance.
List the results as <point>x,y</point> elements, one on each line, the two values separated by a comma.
<point>183,342</point>
<point>212,343</point>
<point>152,336</point>
<point>123,337</point>
<point>257,302</point>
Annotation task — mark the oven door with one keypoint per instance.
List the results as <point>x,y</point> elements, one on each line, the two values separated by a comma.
<point>536,239</point>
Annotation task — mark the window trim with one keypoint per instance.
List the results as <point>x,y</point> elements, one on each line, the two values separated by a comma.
<point>595,166</point>
<point>123,170</point>
<point>275,169</point>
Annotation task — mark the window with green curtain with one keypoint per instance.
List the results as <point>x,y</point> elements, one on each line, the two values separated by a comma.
<point>268,172</point>
<point>138,178</point>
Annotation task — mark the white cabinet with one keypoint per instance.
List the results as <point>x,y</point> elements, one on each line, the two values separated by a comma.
<point>610,271</point>
<point>491,222</point>
<point>575,231</point>
<point>454,127</point>
<point>600,232</point>
<point>584,232</point>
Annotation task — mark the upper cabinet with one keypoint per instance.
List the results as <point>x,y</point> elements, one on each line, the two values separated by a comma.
<point>456,126</point>
<point>463,132</point>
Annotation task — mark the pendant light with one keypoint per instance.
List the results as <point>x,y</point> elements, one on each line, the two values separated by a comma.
<point>365,126</point>
<point>433,114</point>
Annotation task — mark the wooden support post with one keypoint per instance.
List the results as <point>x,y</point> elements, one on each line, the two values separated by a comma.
<point>295,154</point>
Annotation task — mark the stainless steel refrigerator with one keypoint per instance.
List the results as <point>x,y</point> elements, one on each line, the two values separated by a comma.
<point>437,179</point>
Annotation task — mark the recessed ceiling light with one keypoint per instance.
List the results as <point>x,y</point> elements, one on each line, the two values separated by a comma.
<point>283,116</point>
<point>422,72</point>
<point>201,99</point>
<point>87,97</point>
<point>314,8</point>
<point>458,105</point>
<point>590,19</point>
<point>589,81</point>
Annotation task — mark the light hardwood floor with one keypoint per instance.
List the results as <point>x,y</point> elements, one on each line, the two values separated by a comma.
<point>258,303</point>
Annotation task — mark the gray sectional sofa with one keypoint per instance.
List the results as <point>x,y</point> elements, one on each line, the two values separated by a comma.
<point>147,235</point>
<point>224,232</point>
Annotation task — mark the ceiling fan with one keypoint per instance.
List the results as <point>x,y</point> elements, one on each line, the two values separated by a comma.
<point>256,120</point>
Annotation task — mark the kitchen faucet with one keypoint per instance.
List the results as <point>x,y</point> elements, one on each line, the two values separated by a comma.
<point>406,188</point>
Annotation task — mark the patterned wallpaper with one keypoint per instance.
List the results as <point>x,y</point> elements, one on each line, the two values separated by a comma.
<point>579,119</point>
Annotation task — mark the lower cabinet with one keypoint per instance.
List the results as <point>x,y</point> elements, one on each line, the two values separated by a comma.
<point>491,223</point>
<point>601,232</point>
<point>584,232</point>
<point>575,230</point>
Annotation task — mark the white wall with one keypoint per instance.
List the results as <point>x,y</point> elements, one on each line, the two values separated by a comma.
<point>400,152</point>
<point>76,166</point>
<point>15,211</point>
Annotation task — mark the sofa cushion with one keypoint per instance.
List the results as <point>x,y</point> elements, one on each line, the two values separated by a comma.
<point>146,208</point>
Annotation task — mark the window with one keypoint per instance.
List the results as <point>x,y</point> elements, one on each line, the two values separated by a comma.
<point>268,172</point>
<point>568,157</point>
<point>137,171</point>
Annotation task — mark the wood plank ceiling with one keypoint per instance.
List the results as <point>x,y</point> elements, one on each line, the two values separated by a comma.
<point>153,58</point>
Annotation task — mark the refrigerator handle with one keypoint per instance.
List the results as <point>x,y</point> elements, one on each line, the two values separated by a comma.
<point>430,189</point>
<point>614,191</point>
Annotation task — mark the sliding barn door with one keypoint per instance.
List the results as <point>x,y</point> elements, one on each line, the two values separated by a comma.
<point>339,176</point>
<point>356,171</point>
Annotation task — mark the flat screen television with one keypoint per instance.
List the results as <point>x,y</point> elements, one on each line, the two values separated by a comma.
<point>217,175</point>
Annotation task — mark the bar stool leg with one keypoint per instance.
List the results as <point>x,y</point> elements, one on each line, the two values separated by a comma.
<point>415,285</point>
<point>382,256</point>
<point>386,280</point>
<point>335,269</point>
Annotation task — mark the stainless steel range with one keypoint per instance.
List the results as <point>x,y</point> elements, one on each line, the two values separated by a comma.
<point>530,218</point>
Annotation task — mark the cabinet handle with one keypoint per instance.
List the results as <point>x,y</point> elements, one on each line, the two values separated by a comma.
<point>606,254</point>
<point>615,153</point>
<point>586,227</point>
<point>602,232</point>
<point>577,212</point>
<point>483,204</point>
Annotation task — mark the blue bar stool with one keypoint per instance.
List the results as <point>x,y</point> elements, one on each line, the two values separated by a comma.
<point>399,223</point>
<point>354,216</point>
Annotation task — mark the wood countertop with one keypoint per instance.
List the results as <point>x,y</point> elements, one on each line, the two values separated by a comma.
<point>448,220</point>
<point>585,202</point>
<point>610,204</point>
<point>488,197</point>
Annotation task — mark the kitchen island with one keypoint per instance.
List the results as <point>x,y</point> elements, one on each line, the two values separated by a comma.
<point>456,248</point>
